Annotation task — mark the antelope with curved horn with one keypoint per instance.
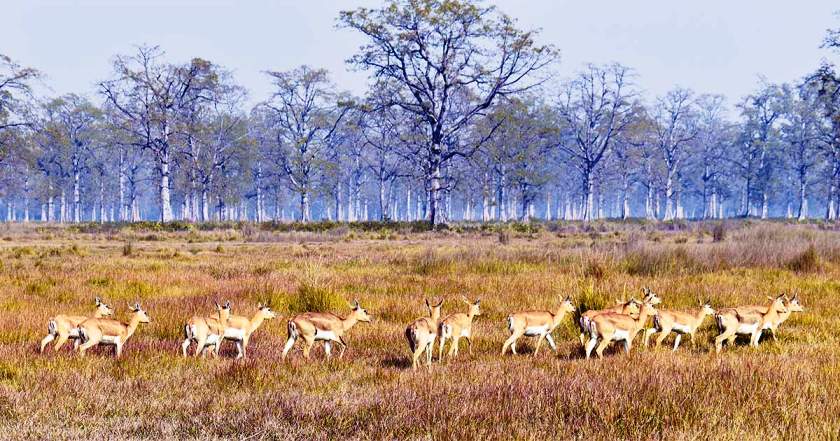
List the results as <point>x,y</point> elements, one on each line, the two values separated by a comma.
<point>630,307</point>
<point>653,299</point>
<point>96,331</point>
<point>324,326</point>
<point>733,322</point>
<point>456,326</point>
<point>538,324</point>
<point>65,327</point>
<point>206,331</point>
<point>680,322</point>
<point>239,328</point>
<point>421,334</point>
<point>610,327</point>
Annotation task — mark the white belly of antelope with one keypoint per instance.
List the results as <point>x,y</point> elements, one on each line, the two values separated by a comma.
<point>321,334</point>
<point>234,334</point>
<point>747,328</point>
<point>465,333</point>
<point>110,339</point>
<point>212,339</point>
<point>74,333</point>
<point>533,331</point>
<point>682,329</point>
<point>621,334</point>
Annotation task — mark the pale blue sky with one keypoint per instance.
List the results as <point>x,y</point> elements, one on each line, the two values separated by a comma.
<point>711,46</point>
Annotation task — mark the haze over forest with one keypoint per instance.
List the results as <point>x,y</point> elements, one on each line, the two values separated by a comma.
<point>455,111</point>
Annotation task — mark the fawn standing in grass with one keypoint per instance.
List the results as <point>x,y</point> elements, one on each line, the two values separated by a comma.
<point>610,327</point>
<point>239,328</point>
<point>538,324</point>
<point>96,331</point>
<point>680,322</point>
<point>67,326</point>
<point>732,322</point>
<point>421,334</point>
<point>456,326</point>
<point>206,331</point>
<point>630,307</point>
<point>330,328</point>
<point>791,305</point>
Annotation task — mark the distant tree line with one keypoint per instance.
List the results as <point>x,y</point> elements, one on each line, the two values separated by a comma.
<point>463,121</point>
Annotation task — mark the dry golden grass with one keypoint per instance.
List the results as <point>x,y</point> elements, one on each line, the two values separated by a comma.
<point>782,390</point>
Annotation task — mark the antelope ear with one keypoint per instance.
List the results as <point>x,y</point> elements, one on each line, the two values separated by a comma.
<point>771,298</point>
<point>259,305</point>
<point>439,303</point>
<point>98,302</point>
<point>217,305</point>
<point>478,300</point>
<point>356,304</point>
<point>227,304</point>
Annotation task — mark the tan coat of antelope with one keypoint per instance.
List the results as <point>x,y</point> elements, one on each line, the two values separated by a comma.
<point>206,331</point>
<point>96,331</point>
<point>733,322</point>
<point>422,333</point>
<point>239,329</point>
<point>538,324</point>
<point>680,322</point>
<point>65,327</point>
<point>323,326</point>
<point>630,307</point>
<point>457,326</point>
<point>791,305</point>
<point>610,327</point>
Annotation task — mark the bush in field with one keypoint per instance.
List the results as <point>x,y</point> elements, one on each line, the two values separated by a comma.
<point>807,261</point>
<point>644,262</point>
<point>314,298</point>
<point>719,232</point>
<point>128,249</point>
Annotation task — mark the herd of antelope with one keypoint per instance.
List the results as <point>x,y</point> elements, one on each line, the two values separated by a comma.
<point>598,328</point>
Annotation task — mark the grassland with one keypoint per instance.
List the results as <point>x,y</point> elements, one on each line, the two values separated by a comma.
<point>783,390</point>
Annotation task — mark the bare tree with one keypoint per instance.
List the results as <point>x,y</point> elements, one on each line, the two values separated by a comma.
<point>594,108</point>
<point>675,126</point>
<point>430,53</point>
<point>306,111</point>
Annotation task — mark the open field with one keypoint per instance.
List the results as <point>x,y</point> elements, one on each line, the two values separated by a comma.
<point>783,390</point>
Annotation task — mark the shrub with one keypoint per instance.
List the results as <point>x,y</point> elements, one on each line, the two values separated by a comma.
<point>316,299</point>
<point>807,261</point>
<point>595,269</point>
<point>719,232</point>
<point>128,249</point>
<point>504,237</point>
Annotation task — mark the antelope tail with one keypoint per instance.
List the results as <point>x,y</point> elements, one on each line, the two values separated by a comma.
<point>52,327</point>
<point>188,334</point>
<point>292,329</point>
<point>409,335</point>
<point>83,337</point>
<point>719,322</point>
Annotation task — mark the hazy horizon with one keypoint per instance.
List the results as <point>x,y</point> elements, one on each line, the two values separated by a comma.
<point>712,48</point>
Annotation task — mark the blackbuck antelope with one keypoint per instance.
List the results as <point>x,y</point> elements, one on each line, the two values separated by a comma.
<point>680,322</point>
<point>65,327</point>
<point>792,305</point>
<point>206,331</point>
<point>94,331</point>
<point>630,307</point>
<point>421,334</point>
<point>610,327</point>
<point>456,326</point>
<point>239,328</point>
<point>324,326</point>
<point>538,324</point>
<point>733,322</point>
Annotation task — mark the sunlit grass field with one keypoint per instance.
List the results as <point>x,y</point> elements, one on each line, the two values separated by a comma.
<point>783,390</point>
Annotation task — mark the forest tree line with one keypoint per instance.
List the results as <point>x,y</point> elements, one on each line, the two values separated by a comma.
<point>463,120</point>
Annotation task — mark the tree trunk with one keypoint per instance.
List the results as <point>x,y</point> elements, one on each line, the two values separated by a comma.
<point>588,196</point>
<point>765,204</point>
<point>434,188</point>
<point>669,195</point>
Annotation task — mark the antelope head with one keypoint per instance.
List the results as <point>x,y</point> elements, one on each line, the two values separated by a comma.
<point>360,313</point>
<point>265,311</point>
<point>474,306</point>
<point>103,309</point>
<point>141,315</point>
